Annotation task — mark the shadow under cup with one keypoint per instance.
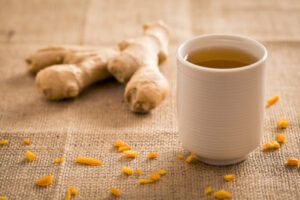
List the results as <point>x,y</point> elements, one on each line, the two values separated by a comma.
<point>221,111</point>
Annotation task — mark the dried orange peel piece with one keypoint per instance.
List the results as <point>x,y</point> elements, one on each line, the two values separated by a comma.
<point>271,145</point>
<point>138,171</point>
<point>272,100</point>
<point>44,181</point>
<point>189,158</point>
<point>130,154</point>
<point>207,190</point>
<point>161,172</point>
<point>152,155</point>
<point>280,138</point>
<point>26,141</point>
<point>55,160</point>
<point>222,194</point>
<point>179,156</point>
<point>68,195</point>
<point>88,161</point>
<point>123,148</point>
<point>228,177</point>
<point>292,161</point>
<point>122,145</point>
<point>3,198</point>
<point>30,156</point>
<point>115,191</point>
<point>154,177</point>
<point>3,141</point>
<point>73,190</point>
<point>145,181</point>
<point>282,123</point>
<point>127,170</point>
<point>70,191</point>
<point>62,159</point>
<point>119,143</point>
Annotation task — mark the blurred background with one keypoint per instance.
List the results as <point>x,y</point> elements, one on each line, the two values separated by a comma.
<point>92,22</point>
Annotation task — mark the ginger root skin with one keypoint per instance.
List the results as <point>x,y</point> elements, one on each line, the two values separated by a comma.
<point>146,50</point>
<point>52,55</point>
<point>137,65</point>
<point>68,80</point>
<point>64,71</point>
<point>146,89</point>
<point>159,30</point>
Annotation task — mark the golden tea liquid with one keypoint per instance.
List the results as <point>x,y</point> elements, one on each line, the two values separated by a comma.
<point>221,57</point>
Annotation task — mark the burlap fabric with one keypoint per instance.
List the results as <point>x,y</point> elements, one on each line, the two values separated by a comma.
<point>88,125</point>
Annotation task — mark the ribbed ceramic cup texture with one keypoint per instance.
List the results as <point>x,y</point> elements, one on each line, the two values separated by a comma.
<point>221,111</point>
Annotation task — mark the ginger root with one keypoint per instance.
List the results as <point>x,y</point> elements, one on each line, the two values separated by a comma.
<point>146,89</point>
<point>45,57</point>
<point>54,55</point>
<point>64,71</point>
<point>138,64</point>
<point>75,70</point>
<point>147,50</point>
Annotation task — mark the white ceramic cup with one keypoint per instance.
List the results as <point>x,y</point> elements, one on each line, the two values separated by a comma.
<point>221,111</point>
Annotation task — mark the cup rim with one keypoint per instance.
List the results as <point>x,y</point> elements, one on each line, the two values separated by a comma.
<point>234,36</point>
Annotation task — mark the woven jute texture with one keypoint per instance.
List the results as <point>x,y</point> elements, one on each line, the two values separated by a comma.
<point>88,125</point>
